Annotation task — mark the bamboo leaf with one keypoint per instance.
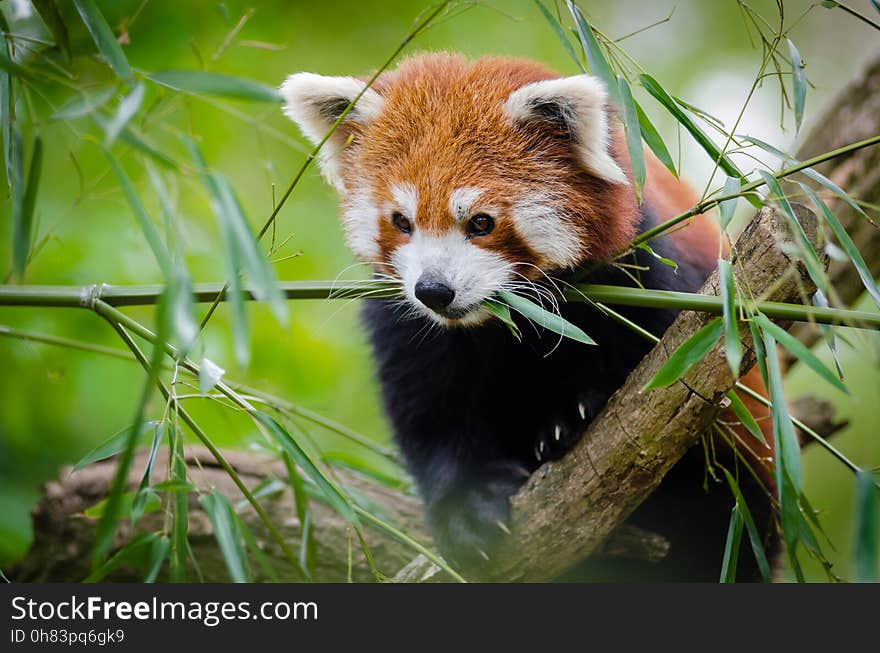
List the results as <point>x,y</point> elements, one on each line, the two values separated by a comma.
<point>659,93</point>
<point>751,529</point>
<point>818,177</point>
<point>733,350</point>
<point>307,545</point>
<point>801,352</point>
<point>7,116</point>
<point>48,10</point>
<point>654,140</point>
<point>158,434</point>
<point>799,83</point>
<point>84,104</point>
<point>104,38</point>
<point>819,299</point>
<point>228,535</point>
<point>546,319</point>
<point>141,498</point>
<point>227,215</point>
<point>138,552</point>
<point>178,293</point>
<point>744,415</point>
<point>181,307</point>
<point>160,253</point>
<point>231,215</point>
<point>333,495</point>
<point>846,243</point>
<point>633,137</point>
<point>111,446</point>
<point>303,514</point>
<point>688,354</point>
<point>789,514</point>
<point>201,82</point>
<point>23,215</point>
<point>180,506</point>
<point>176,485</point>
<point>158,553</point>
<point>128,107</point>
<point>663,259</point>
<point>151,504</point>
<point>595,58</point>
<point>727,208</point>
<point>876,5</point>
<point>731,546</point>
<point>760,354</point>
<point>134,139</point>
<point>13,69</point>
<point>502,312</point>
<point>867,540</point>
<point>788,450</point>
<point>254,549</point>
<point>561,35</point>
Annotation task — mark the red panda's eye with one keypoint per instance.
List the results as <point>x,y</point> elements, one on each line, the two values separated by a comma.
<point>480,225</point>
<point>403,225</point>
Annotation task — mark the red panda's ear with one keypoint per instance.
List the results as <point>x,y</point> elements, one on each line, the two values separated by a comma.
<point>315,102</point>
<point>575,106</point>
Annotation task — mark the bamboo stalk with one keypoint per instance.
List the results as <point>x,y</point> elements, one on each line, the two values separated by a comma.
<point>86,296</point>
<point>702,207</point>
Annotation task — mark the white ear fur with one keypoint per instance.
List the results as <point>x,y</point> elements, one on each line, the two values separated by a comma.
<point>315,102</point>
<point>579,102</point>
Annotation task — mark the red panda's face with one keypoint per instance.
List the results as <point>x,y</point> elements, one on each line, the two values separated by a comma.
<point>463,178</point>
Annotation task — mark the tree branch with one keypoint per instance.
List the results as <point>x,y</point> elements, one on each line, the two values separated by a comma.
<point>570,507</point>
<point>553,526</point>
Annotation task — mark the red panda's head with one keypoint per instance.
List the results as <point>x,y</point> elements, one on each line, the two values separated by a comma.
<point>460,178</point>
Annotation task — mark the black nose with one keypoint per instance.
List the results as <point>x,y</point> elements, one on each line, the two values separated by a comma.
<point>434,294</point>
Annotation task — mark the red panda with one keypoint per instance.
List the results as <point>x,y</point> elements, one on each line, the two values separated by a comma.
<point>460,178</point>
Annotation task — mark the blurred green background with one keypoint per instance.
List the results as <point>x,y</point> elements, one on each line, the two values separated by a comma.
<point>56,404</point>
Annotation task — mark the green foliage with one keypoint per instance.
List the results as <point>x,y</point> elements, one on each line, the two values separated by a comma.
<point>542,317</point>
<point>732,346</point>
<point>116,116</point>
<point>687,355</point>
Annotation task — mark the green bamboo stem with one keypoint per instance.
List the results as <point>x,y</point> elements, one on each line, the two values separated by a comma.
<point>707,204</point>
<point>68,343</point>
<point>122,323</point>
<point>116,296</point>
<point>834,451</point>
<point>621,296</point>
<point>206,441</point>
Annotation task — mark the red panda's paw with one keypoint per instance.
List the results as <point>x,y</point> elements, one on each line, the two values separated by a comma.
<point>470,523</point>
<point>562,433</point>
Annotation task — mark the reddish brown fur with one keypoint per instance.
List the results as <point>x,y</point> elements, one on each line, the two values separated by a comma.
<point>470,142</point>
